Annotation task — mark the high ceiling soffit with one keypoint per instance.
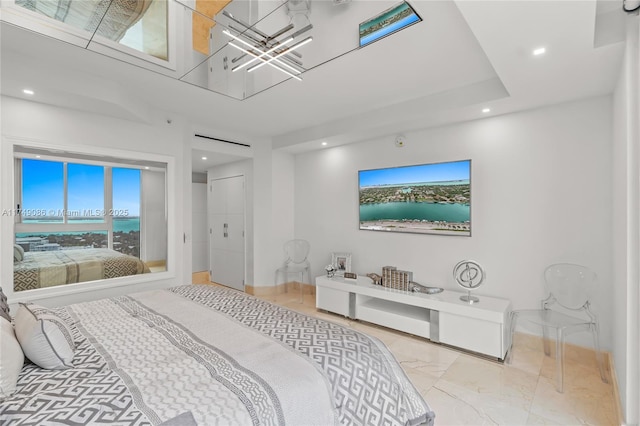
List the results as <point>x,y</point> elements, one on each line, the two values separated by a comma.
<point>235,48</point>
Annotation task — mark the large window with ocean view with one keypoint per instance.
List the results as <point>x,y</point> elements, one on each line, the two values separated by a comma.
<point>80,218</point>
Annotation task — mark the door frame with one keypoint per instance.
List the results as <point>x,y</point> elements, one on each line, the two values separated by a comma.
<point>244,223</point>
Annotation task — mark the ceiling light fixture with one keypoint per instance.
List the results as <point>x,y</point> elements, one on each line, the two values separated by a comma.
<point>28,92</point>
<point>284,52</point>
<point>486,110</point>
<point>539,51</point>
<point>324,144</point>
<point>265,55</point>
<point>258,56</point>
<point>204,158</point>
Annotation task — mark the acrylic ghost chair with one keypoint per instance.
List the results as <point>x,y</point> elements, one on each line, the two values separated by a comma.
<point>296,263</point>
<point>569,287</point>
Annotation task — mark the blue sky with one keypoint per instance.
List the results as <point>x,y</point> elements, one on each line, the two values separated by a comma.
<point>43,187</point>
<point>458,170</point>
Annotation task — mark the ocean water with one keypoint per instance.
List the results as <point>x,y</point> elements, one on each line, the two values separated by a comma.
<point>126,224</point>
<point>412,211</point>
<point>119,225</point>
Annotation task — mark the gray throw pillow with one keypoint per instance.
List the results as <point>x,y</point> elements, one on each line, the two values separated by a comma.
<point>45,338</point>
<point>4,306</point>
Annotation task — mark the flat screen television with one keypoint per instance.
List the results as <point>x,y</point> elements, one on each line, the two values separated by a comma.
<point>426,199</point>
<point>388,22</point>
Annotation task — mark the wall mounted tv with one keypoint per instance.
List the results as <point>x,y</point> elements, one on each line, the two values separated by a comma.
<point>426,199</point>
<point>388,22</point>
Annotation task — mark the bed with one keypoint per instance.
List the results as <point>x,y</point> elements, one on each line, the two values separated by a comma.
<point>205,355</point>
<point>52,268</point>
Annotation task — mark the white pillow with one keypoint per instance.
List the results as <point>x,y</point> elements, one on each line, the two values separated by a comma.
<point>18,253</point>
<point>45,337</point>
<point>11,359</point>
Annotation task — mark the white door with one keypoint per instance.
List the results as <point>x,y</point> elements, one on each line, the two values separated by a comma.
<point>226,231</point>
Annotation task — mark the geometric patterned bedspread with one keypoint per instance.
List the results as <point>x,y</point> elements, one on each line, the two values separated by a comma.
<point>51,268</point>
<point>216,356</point>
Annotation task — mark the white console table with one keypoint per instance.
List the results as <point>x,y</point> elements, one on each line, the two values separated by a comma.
<point>480,327</point>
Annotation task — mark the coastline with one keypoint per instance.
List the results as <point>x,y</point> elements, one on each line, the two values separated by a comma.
<point>421,227</point>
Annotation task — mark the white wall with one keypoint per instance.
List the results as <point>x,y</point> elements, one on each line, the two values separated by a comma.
<point>626,227</point>
<point>283,207</point>
<point>154,213</point>
<point>71,128</point>
<point>541,193</point>
<point>199,229</point>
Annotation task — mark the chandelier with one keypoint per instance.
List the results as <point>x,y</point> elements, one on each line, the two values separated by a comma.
<point>277,50</point>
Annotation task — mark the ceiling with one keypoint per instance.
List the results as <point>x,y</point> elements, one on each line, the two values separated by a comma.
<point>463,57</point>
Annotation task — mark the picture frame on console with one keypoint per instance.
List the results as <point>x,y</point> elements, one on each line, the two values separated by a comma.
<point>342,262</point>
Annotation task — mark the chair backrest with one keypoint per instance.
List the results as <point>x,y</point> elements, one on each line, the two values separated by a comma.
<point>296,250</point>
<point>570,284</point>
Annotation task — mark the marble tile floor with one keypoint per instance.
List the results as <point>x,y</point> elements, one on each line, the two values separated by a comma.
<point>463,389</point>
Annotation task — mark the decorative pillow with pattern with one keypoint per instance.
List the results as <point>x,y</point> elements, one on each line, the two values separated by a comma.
<point>4,307</point>
<point>45,337</point>
<point>11,359</point>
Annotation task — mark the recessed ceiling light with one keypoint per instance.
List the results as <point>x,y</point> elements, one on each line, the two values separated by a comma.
<point>539,51</point>
<point>204,158</point>
<point>324,144</point>
<point>146,168</point>
<point>28,92</point>
<point>37,156</point>
<point>486,110</point>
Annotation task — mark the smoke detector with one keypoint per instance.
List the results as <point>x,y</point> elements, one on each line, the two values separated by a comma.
<point>400,141</point>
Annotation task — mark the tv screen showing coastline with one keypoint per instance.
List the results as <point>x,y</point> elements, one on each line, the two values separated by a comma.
<point>426,199</point>
<point>390,21</point>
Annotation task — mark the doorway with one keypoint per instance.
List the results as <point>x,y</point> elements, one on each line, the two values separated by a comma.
<point>226,207</point>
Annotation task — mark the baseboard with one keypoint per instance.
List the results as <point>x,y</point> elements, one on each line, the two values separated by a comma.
<point>616,390</point>
<point>266,290</point>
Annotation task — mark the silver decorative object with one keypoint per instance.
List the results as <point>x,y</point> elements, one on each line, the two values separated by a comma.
<point>469,275</point>
<point>419,288</point>
<point>331,271</point>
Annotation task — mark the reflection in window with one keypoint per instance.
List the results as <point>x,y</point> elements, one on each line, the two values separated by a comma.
<point>92,220</point>
<point>140,24</point>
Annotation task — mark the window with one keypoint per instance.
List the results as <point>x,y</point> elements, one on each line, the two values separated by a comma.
<point>82,218</point>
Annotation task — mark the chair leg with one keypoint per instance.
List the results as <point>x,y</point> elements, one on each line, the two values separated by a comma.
<point>559,361</point>
<point>545,341</point>
<point>599,357</point>
<point>301,283</point>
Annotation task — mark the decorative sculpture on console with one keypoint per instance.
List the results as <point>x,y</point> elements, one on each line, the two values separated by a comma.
<point>401,280</point>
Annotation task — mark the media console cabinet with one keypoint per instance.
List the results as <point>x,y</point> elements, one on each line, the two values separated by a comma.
<point>482,327</point>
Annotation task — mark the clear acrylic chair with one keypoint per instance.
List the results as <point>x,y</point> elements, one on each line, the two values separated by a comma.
<point>296,263</point>
<point>569,287</point>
